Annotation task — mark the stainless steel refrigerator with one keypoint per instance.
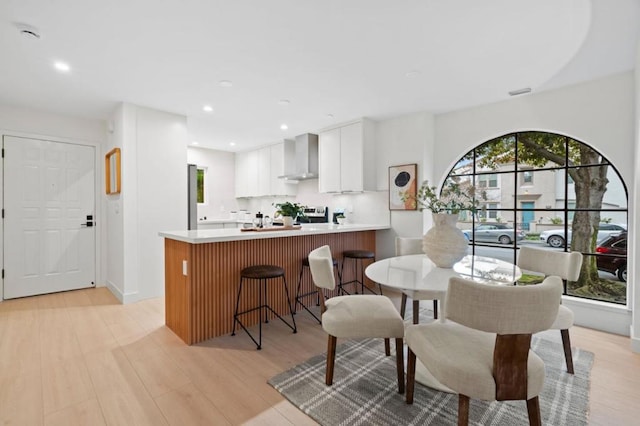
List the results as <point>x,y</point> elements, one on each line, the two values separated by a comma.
<point>192,195</point>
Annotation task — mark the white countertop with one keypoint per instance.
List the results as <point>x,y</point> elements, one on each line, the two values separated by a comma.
<point>220,235</point>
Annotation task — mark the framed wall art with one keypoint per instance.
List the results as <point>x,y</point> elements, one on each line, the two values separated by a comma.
<point>113,181</point>
<point>403,183</point>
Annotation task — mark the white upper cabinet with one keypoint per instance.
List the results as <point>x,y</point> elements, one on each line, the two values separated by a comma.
<point>347,158</point>
<point>329,157</point>
<point>257,173</point>
<point>264,171</point>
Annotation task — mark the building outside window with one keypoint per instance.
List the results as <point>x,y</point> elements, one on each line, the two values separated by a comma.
<point>488,181</point>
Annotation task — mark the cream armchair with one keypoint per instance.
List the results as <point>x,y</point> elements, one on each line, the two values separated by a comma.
<point>482,350</point>
<point>565,265</point>
<point>354,317</point>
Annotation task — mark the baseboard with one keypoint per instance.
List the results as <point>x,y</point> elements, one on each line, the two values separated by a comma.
<point>635,341</point>
<point>124,298</point>
<point>598,315</point>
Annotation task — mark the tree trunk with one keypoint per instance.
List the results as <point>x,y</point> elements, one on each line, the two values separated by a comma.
<point>590,187</point>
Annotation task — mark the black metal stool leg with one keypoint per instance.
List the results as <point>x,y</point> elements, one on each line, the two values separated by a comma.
<point>235,313</point>
<point>265,301</point>
<point>286,290</point>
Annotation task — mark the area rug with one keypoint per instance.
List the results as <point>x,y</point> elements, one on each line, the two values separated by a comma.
<point>364,391</point>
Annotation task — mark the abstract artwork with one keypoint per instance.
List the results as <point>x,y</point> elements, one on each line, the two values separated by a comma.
<point>403,184</point>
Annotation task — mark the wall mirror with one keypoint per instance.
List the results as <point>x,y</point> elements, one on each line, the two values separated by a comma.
<point>112,170</point>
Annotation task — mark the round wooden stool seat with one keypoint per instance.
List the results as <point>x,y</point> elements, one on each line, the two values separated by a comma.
<point>359,254</point>
<point>262,272</point>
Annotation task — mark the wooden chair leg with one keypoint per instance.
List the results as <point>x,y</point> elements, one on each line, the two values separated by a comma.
<point>533,408</point>
<point>411,375</point>
<point>387,346</point>
<point>435,309</point>
<point>403,305</point>
<point>400,364</point>
<point>416,311</point>
<point>331,359</point>
<point>566,343</point>
<point>463,410</point>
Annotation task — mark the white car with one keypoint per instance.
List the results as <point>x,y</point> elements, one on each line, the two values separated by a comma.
<point>556,238</point>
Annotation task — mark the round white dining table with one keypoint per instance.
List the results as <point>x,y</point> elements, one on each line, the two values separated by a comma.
<point>419,278</point>
<point>416,275</point>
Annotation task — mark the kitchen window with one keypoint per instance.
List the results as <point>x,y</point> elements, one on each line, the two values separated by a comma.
<point>200,180</point>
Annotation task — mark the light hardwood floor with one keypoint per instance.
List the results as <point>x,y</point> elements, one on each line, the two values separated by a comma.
<point>82,358</point>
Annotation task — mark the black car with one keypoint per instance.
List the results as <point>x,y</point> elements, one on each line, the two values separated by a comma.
<point>613,257</point>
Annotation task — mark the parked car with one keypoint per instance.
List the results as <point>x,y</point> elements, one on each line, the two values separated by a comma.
<point>556,238</point>
<point>616,263</point>
<point>494,233</point>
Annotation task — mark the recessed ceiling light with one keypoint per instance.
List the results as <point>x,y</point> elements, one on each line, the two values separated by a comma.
<point>61,66</point>
<point>412,73</point>
<point>232,144</point>
<point>284,127</point>
<point>225,83</point>
<point>520,91</point>
<point>207,108</point>
<point>284,102</point>
<point>194,143</point>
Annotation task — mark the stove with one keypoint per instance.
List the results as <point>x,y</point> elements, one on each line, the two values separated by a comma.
<point>319,214</point>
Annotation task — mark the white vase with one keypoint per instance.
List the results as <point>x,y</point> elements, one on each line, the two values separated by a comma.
<point>444,244</point>
<point>287,221</point>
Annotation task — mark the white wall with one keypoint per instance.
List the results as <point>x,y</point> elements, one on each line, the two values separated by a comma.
<point>20,121</point>
<point>403,140</point>
<point>599,113</point>
<point>219,183</point>
<point>153,198</point>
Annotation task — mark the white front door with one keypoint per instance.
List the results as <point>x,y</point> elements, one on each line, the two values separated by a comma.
<point>49,212</point>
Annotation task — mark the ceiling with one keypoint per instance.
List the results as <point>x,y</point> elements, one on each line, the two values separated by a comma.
<point>333,61</point>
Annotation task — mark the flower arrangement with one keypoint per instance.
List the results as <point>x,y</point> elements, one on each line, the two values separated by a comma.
<point>289,209</point>
<point>453,198</point>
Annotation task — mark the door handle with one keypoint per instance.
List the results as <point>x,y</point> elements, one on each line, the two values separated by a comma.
<point>89,223</point>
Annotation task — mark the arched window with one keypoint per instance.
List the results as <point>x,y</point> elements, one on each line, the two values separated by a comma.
<point>552,192</point>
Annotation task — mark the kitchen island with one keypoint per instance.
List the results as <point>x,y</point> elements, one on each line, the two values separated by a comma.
<point>202,270</point>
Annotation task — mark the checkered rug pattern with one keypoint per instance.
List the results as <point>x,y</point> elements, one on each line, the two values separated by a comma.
<point>364,391</point>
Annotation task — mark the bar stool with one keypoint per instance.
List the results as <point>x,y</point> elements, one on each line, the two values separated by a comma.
<point>262,273</point>
<point>358,256</point>
<point>299,297</point>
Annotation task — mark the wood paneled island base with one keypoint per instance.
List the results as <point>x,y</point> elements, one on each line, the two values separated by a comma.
<point>200,304</point>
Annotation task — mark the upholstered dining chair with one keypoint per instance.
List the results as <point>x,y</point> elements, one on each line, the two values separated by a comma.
<point>405,246</point>
<point>482,349</point>
<point>565,265</point>
<point>354,316</point>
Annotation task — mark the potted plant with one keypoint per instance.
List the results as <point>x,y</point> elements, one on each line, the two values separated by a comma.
<point>289,211</point>
<point>444,243</point>
<point>341,219</point>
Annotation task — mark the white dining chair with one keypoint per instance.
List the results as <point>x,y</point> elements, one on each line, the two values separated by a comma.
<point>565,265</point>
<point>406,246</point>
<point>354,316</point>
<point>482,350</point>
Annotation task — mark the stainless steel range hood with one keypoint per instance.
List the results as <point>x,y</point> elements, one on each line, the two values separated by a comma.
<point>301,158</point>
